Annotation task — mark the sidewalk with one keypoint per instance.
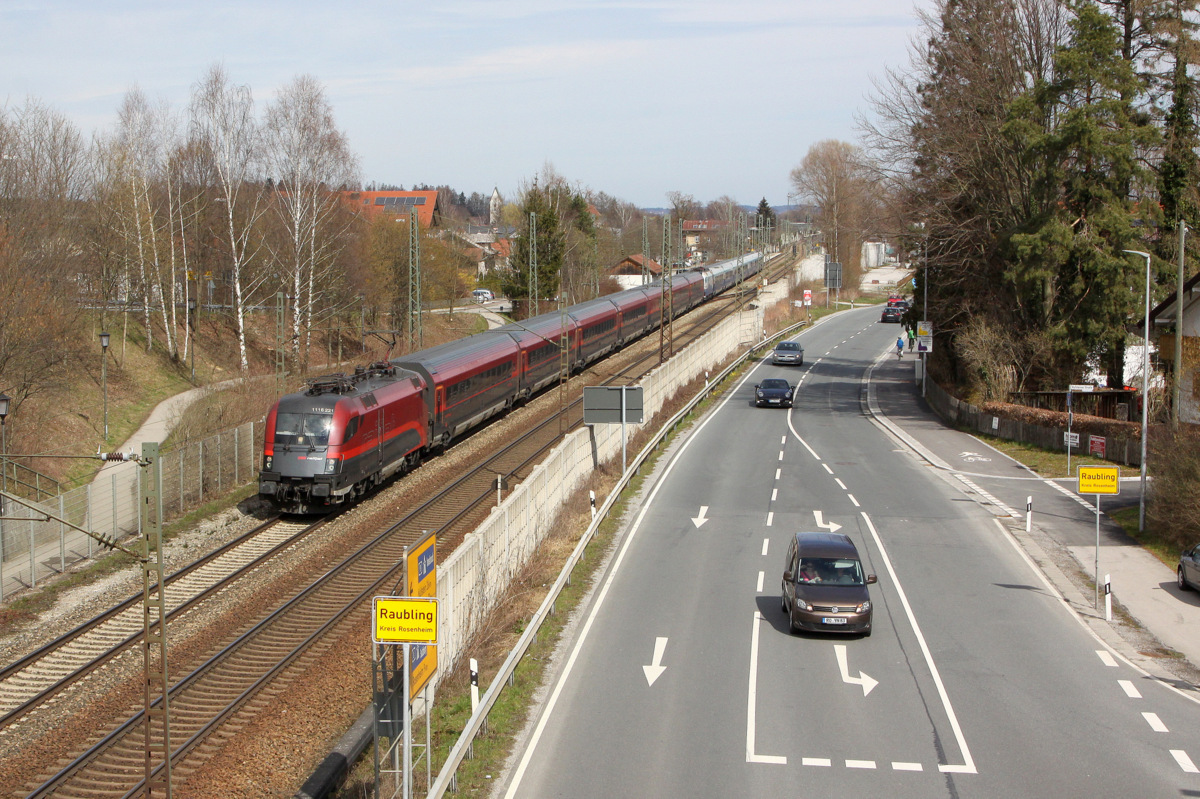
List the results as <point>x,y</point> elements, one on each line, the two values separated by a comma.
<point>1141,583</point>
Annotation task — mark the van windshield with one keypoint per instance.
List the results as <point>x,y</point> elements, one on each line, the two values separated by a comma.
<point>833,571</point>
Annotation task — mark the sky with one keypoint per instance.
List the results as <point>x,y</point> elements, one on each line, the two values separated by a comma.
<point>635,98</point>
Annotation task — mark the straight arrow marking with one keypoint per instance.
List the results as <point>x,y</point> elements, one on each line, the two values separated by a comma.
<point>655,669</point>
<point>862,679</point>
<point>700,520</point>
<point>832,527</point>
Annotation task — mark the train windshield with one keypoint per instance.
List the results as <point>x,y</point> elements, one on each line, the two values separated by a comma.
<point>302,429</point>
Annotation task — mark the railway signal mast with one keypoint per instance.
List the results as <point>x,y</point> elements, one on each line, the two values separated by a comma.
<point>666,337</point>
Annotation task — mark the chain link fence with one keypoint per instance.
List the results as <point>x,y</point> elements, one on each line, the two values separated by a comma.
<point>32,549</point>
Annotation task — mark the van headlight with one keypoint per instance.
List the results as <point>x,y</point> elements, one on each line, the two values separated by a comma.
<point>864,607</point>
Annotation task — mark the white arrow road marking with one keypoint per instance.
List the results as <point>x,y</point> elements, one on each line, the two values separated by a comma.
<point>862,679</point>
<point>700,520</point>
<point>655,669</point>
<point>832,527</point>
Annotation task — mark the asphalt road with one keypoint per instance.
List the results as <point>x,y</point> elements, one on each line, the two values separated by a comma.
<point>683,679</point>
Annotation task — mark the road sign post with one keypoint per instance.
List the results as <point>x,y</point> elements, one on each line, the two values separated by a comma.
<point>613,405</point>
<point>1098,480</point>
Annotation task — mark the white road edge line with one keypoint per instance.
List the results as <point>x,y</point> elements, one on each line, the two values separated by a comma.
<point>968,764</point>
<point>751,756</point>
<point>603,592</point>
<point>1185,762</point>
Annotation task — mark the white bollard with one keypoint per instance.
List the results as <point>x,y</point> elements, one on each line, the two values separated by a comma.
<point>474,685</point>
<point>592,498</point>
<point>1107,599</point>
<point>1028,513</point>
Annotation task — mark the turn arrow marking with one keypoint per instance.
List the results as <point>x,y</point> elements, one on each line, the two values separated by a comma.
<point>862,679</point>
<point>655,669</point>
<point>832,527</point>
<point>699,522</point>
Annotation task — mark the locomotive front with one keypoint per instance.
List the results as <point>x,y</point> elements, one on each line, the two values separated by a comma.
<point>298,476</point>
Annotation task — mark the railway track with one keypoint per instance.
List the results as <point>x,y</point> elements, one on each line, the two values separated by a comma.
<point>43,674</point>
<point>266,658</point>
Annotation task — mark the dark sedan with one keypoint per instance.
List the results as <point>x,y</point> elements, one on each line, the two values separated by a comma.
<point>773,392</point>
<point>892,313</point>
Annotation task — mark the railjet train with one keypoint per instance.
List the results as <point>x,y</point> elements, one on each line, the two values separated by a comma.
<point>346,433</point>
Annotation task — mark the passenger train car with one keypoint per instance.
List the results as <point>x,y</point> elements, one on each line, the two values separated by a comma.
<point>345,434</point>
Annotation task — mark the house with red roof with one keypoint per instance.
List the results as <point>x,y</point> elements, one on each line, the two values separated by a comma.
<point>397,205</point>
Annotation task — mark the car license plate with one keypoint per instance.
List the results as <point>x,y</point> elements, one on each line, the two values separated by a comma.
<point>833,620</point>
<point>774,402</point>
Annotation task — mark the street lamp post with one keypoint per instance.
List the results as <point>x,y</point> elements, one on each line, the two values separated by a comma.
<point>104,338</point>
<point>4,400</point>
<point>191,308</point>
<point>1145,388</point>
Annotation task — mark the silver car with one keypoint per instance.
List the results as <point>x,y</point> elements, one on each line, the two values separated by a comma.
<point>788,353</point>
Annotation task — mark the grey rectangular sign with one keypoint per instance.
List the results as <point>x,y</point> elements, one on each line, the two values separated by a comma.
<point>602,404</point>
<point>833,275</point>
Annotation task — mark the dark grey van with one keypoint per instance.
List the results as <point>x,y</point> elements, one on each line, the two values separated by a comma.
<point>824,586</point>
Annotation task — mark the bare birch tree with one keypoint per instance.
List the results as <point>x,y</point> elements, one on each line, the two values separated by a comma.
<point>310,160</point>
<point>224,125</point>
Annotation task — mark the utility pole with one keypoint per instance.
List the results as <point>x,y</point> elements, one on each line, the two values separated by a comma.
<point>645,251</point>
<point>533,268</point>
<point>666,332</point>
<point>281,342</point>
<point>415,336</point>
<point>1178,328</point>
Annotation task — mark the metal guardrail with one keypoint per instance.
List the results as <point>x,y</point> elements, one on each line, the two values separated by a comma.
<point>446,778</point>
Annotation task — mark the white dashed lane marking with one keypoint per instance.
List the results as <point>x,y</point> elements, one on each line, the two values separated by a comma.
<point>826,465</point>
<point>774,494</point>
<point>770,519</point>
<point>1106,658</point>
<point>1185,762</point>
<point>1155,722</point>
<point>777,473</point>
<point>860,764</point>
<point>760,581</point>
<point>1130,689</point>
<point>841,485</point>
<point>855,501</point>
<point>766,543</point>
<point>780,454</point>
<point>783,443</point>
<point>816,761</point>
<point>906,766</point>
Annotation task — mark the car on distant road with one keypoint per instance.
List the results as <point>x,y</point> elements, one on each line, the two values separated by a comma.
<point>1188,571</point>
<point>824,586</point>
<point>483,295</point>
<point>773,392</point>
<point>788,353</point>
<point>891,313</point>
